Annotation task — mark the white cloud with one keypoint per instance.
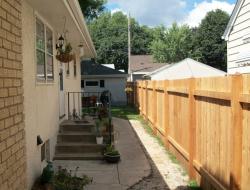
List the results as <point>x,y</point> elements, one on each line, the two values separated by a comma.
<point>153,12</point>
<point>200,10</point>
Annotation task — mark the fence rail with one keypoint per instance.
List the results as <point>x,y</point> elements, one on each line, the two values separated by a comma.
<point>205,122</point>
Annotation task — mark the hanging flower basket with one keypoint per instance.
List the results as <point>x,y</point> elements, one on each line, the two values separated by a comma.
<point>65,55</point>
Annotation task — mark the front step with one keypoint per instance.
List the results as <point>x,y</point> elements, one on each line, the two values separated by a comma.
<point>76,128</point>
<point>83,137</point>
<point>79,148</point>
<point>77,141</point>
<point>83,156</point>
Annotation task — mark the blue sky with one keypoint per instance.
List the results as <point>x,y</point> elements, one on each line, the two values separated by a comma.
<point>156,12</point>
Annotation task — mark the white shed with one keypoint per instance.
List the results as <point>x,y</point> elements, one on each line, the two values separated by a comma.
<point>97,78</point>
<point>187,68</point>
<point>237,35</point>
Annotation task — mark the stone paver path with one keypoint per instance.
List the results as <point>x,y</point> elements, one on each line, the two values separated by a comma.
<point>163,168</point>
<point>133,167</point>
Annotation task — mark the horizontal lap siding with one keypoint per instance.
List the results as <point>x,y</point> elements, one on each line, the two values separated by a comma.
<point>241,28</point>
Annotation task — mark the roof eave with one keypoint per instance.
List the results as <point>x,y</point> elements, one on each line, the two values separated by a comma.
<point>232,19</point>
<point>104,76</point>
<point>77,13</point>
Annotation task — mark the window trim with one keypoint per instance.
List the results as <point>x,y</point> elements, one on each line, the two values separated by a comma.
<point>47,80</point>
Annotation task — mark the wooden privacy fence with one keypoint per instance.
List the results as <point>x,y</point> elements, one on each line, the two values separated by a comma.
<point>205,122</point>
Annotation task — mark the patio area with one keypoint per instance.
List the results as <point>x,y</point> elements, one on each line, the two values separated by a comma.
<point>137,168</point>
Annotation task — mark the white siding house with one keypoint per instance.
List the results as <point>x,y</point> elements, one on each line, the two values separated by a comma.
<point>187,68</point>
<point>97,78</point>
<point>237,35</point>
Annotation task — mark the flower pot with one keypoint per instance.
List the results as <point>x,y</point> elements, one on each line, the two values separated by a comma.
<point>65,57</point>
<point>99,140</point>
<point>112,158</point>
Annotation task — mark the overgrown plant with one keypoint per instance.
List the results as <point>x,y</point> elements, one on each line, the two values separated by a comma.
<point>64,180</point>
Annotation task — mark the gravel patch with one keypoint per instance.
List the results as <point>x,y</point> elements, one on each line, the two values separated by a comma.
<point>165,174</point>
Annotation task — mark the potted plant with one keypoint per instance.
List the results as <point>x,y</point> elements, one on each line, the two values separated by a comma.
<point>99,137</point>
<point>65,55</point>
<point>111,155</point>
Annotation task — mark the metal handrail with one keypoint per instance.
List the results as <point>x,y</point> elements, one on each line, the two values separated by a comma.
<point>77,98</point>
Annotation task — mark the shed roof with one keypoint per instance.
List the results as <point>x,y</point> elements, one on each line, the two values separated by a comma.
<point>187,68</point>
<point>89,67</point>
<point>144,63</point>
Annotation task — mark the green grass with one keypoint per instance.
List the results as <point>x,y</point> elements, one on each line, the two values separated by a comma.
<point>193,185</point>
<point>125,112</point>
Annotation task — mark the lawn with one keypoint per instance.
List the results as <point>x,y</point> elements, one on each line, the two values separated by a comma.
<point>125,112</point>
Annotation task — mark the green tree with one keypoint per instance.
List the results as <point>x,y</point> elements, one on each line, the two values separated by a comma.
<point>207,40</point>
<point>171,44</point>
<point>110,35</point>
<point>92,8</point>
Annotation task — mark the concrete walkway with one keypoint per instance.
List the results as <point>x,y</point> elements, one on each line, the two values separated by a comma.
<point>132,168</point>
<point>166,172</point>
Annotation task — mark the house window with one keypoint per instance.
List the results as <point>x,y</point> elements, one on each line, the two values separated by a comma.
<point>82,83</point>
<point>102,83</point>
<point>45,151</point>
<point>44,52</point>
<point>91,83</point>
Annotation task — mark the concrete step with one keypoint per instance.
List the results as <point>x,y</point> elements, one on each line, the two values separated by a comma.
<point>64,147</point>
<point>76,128</point>
<point>85,137</point>
<point>78,156</point>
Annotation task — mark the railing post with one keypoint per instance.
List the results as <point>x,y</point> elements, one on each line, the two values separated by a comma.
<point>166,112</point>
<point>192,128</point>
<point>154,107</point>
<point>236,133</point>
<point>68,104</point>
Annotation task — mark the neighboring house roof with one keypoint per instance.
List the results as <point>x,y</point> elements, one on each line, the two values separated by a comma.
<point>187,68</point>
<point>144,64</point>
<point>232,18</point>
<point>90,68</point>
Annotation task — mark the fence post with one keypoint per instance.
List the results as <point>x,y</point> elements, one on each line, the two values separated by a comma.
<point>134,94</point>
<point>236,133</point>
<point>142,97</point>
<point>154,107</point>
<point>192,128</point>
<point>146,99</point>
<point>166,112</point>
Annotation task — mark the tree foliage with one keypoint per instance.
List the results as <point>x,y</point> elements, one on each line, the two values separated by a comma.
<point>208,42</point>
<point>167,45</point>
<point>92,8</point>
<point>203,43</point>
<point>171,44</point>
<point>110,35</point>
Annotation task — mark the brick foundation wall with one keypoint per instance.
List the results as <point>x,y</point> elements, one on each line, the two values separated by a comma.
<point>12,144</point>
